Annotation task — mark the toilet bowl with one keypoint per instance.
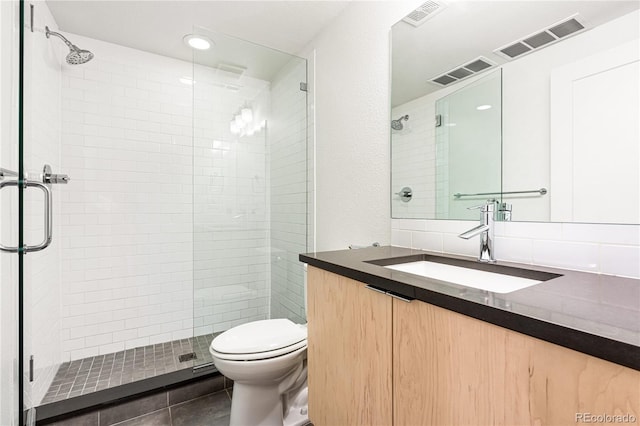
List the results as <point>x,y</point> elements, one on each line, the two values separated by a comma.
<point>267,362</point>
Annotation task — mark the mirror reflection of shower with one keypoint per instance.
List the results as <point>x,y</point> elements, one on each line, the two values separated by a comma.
<point>397,124</point>
<point>76,55</point>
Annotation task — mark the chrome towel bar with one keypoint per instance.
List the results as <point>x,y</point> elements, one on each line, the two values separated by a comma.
<point>541,191</point>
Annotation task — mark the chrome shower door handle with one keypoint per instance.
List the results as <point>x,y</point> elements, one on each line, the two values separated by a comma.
<point>2,185</point>
<point>48,216</point>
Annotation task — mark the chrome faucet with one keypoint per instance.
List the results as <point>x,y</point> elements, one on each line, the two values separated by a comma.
<point>485,230</point>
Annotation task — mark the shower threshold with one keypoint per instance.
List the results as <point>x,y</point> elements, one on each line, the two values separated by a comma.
<point>92,374</point>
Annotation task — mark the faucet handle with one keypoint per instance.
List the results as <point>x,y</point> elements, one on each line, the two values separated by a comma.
<point>486,207</point>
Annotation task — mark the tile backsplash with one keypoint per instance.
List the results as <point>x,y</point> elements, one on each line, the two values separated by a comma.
<point>599,248</point>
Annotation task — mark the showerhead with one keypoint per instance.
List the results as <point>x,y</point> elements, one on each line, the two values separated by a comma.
<point>397,124</point>
<point>76,56</point>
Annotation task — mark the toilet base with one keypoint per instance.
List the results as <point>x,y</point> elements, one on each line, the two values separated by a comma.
<point>268,405</point>
<point>255,405</point>
<point>262,406</point>
<point>297,412</point>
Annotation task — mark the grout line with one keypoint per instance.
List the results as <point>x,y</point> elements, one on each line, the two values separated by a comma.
<point>137,417</point>
<point>200,397</point>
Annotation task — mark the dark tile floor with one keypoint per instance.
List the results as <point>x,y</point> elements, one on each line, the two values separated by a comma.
<point>105,371</point>
<point>208,410</point>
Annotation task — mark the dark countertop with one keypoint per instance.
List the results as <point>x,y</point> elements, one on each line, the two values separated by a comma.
<point>591,313</point>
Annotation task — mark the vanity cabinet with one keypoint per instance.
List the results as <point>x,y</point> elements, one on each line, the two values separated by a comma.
<point>349,353</point>
<point>375,360</point>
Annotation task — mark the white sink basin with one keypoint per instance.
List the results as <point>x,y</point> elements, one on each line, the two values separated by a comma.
<point>468,277</point>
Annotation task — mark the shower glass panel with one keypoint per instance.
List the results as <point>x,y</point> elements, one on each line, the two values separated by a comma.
<point>42,277</point>
<point>249,186</point>
<point>9,267</point>
<point>469,147</point>
<point>109,301</point>
<point>175,220</point>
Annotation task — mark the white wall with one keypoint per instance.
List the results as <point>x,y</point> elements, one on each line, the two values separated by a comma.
<point>352,125</point>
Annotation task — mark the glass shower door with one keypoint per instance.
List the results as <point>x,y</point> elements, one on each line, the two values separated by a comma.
<point>42,188</point>
<point>469,147</point>
<point>9,221</point>
<point>249,186</point>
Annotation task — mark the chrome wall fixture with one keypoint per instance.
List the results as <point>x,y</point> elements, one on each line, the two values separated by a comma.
<point>541,191</point>
<point>397,124</point>
<point>76,55</point>
<point>48,178</point>
<point>405,194</point>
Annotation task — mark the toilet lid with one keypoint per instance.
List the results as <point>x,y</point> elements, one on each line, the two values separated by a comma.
<point>259,336</point>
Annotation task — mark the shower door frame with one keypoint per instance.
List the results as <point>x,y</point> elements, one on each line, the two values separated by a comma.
<point>23,411</point>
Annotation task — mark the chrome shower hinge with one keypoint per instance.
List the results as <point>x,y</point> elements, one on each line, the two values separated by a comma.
<point>303,87</point>
<point>31,368</point>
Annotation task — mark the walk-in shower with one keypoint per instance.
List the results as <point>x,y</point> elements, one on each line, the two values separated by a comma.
<point>397,124</point>
<point>173,227</point>
<point>76,56</point>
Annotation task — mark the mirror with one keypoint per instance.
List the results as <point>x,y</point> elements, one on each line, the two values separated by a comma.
<point>564,112</point>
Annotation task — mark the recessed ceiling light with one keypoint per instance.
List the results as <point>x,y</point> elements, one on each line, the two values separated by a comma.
<point>197,41</point>
<point>187,80</point>
<point>483,107</point>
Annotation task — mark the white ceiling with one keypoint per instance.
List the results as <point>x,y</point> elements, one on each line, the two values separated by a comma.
<point>159,26</point>
<point>464,30</point>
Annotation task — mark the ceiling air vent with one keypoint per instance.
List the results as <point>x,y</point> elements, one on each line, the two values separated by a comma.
<point>542,38</point>
<point>426,11</point>
<point>232,69</point>
<point>463,71</point>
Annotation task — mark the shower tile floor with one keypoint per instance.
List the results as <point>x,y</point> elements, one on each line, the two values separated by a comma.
<point>100,372</point>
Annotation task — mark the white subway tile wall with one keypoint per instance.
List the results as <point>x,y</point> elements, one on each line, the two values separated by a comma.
<point>288,191</point>
<point>231,222</point>
<point>599,248</point>
<point>417,144</point>
<point>412,146</point>
<point>127,212</point>
<point>165,225</point>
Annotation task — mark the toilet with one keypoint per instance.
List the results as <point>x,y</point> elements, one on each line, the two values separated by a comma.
<point>267,362</point>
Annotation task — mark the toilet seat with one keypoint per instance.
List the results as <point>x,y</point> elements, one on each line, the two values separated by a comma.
<point>256,356</point>
<point>259,340</point>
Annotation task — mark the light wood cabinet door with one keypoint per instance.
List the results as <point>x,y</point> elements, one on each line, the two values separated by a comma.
<point>349,352</point>
<point>450,369</point>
